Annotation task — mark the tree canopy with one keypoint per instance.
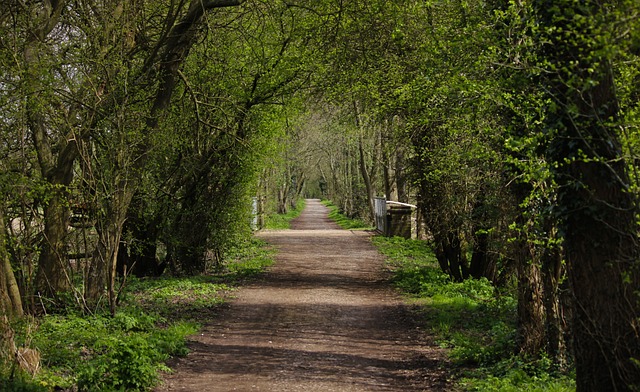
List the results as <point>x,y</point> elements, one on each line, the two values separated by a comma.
<point>134,135</point>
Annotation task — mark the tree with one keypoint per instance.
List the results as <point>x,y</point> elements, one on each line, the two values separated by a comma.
<point>229,110</point>
<point>595,205</point>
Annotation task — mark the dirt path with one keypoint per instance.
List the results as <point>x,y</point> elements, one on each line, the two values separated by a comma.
<point>322,319</point>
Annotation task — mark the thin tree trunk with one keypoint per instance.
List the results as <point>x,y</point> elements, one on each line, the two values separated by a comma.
<point>103,266</point>
<point>362,164</point>
<point>10,298</point>
<point>400,176</point>
<point>556,327</point>
<point>531,337</point>
<point>366,177</point>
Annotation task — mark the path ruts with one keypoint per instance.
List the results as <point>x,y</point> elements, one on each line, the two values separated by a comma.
<point>322,319</point>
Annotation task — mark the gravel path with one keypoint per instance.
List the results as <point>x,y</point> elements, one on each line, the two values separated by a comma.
<point>323,318</point>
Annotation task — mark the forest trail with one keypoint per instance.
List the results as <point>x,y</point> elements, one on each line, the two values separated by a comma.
<point>323,318</point>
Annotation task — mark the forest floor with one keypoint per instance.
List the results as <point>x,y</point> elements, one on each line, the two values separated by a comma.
<point>323,318</point>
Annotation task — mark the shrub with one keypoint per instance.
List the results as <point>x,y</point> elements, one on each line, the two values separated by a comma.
<point>471,319</point>
<point>103,353</point>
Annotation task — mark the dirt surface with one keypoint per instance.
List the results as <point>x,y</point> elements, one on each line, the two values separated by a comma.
<point>323,318</point>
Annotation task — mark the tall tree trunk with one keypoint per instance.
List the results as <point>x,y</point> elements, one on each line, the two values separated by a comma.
<point>52,275</point>
<point>597,209</point>
<point>556,326</point>
<point>362,165</point>
<point>103,266</point>
<point>401,176</point>
<point>386,164</point>
<point>531,338</point>
<point>10,298</point>
<point>366,177</point>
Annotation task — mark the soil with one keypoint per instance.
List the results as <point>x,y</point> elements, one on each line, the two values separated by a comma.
<point>323,318</point>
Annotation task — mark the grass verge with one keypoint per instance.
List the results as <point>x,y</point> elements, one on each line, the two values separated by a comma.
<point>472,320</point>
<point>127,352</point>
<point>282,221</point>
<point>344,221</point>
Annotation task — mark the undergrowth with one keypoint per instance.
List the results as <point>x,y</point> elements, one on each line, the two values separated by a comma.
<point>127,352</point>
<point>282,221</point>
<point>472,320</point>
<point>344,221</point>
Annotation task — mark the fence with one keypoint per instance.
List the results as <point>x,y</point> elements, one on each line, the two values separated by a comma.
<point>381,215</point>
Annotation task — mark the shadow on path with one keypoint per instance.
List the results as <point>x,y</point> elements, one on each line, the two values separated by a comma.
<point>323,318</point>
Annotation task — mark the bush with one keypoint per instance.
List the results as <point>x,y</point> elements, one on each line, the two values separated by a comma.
<point>18,383</point>
<point>101,353</point>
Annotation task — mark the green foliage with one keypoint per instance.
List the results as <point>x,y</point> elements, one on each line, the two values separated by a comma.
<point>119,365</point>
<point>20,383</point>
<point>471,319</point>
<point>179,297</point>
<point>125,352</point>
<point>247,260</point>
<point>102,353</point>
<point>515,375</point>
<point>344,221</point>
<point>282,221</point>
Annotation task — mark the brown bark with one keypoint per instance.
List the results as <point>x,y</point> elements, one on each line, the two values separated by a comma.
<point>531,334</point>
<point>556,326</point>
<point>51,277</point>
<point>597,209</point>
<point>362,165</point>
<point>103,267</point>
<point>9,291</point>
<point>10,300</point>
<point>366,177</point>
<point>7,338</point>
